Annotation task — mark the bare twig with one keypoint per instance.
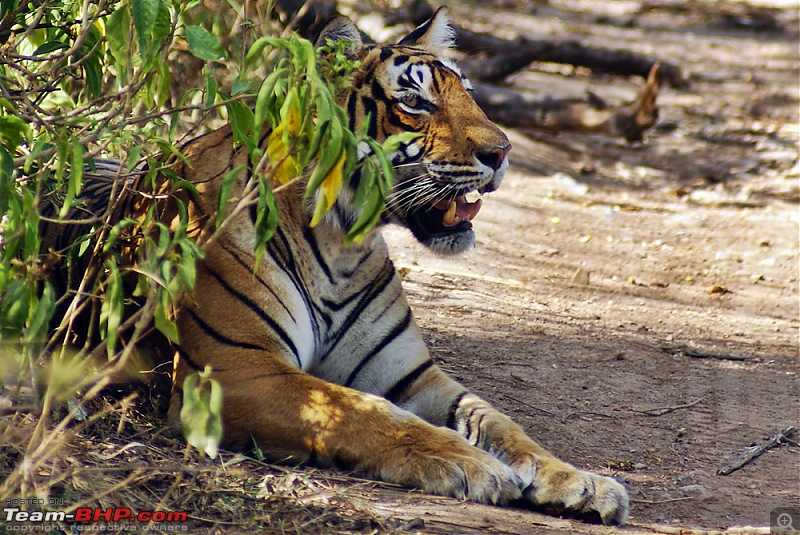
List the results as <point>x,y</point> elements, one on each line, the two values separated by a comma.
<point>699,355</point>
<point>661,411</point>
<point>754,451</point>
<point>534,407</point>
<point>658,502</point>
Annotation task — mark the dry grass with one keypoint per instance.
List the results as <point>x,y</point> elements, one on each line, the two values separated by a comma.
<point>120,456</point>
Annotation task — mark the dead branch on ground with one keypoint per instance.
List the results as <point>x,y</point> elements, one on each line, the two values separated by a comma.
<point>754,451</point>
<point>661,411</point>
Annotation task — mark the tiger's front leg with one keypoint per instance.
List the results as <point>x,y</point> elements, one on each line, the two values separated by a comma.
<point>296,417</point>
<point>552,485</point>
<point>549,484</point>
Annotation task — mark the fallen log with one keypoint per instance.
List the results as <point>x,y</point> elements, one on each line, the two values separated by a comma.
<point>754,451</point>
<point>592,115</point>
<point>522,52</point>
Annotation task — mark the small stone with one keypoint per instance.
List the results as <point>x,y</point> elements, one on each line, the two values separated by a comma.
<point>581,277</point>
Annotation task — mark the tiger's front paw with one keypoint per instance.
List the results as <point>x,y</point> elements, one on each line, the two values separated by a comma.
<point>451,467</point>
<point>559,488</point>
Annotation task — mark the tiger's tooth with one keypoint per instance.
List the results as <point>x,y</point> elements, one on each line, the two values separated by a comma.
<point>449,218</point>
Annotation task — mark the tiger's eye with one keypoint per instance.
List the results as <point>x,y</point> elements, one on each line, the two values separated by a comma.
<point>411,100</point>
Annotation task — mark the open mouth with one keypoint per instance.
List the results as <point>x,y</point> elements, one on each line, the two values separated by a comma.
<point>445,216</point>
<point>456,211</point>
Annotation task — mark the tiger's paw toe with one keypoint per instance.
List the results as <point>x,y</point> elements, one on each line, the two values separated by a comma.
<point>581,494</point>
<point>471,474</point>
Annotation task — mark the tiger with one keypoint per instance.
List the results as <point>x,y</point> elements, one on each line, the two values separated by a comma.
<point>317,350</point>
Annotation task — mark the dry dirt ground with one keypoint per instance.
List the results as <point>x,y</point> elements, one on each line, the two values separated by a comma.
<point>610,279</point>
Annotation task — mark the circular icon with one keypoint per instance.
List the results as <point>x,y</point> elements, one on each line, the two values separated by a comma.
<point>785,521</point>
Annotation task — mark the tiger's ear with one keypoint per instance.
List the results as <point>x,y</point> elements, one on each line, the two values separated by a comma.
<point>339,28</point>
<point>434,35</point>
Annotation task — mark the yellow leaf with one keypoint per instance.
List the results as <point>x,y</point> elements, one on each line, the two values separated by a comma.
<point>291,112</point>
<point>276,150</point>
<point>332,183</point>
<point>287,170</point>
<point>287,166</point>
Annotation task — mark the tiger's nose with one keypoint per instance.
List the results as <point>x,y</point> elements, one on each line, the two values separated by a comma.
<point>495,157</point>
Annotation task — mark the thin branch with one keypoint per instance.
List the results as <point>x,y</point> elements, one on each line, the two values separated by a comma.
<point>754,451</point>
<point>661,411</point>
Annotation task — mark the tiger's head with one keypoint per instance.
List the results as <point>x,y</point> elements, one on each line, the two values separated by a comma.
<point>411,87</point>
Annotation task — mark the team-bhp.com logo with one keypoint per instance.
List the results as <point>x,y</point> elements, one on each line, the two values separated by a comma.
<point>94,519</point>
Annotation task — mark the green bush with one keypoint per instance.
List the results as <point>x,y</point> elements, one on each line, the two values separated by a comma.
<point>81,81</point>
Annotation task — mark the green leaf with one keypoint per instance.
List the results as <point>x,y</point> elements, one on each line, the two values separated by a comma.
<point>118,35</point>
<point>239,85</point>
<point>12,131</point>
<point>225,192</point>
<point>265,100</point>
<point>94,76</point>
<point>133,157</point>
<point>14,306</point>
<point>210,86</point>
<point>162,27</point>
<point>7,182</point>
<point>75,177</point>
<point>41,314</point>
<point>369,202</point>
<point>112,307</point>
<point>49,47</point>
<point>266,220</point>
<point>201,412</point>
<point>164,324</point>
<point>144,19</point>
<point>202,44</point>
<point>243,124</point>
<point>255,52</point>
<point>331,152</point>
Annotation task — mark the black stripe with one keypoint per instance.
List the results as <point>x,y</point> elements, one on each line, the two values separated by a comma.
<point>407,82</point>
<point>188,360</point>
<point>352,102</point>
<point>400,59</point>
<point>399,329</point>
<point>252,305</point>
<point>386,53</point>
<point>312,243</point>
<point>359,263</point>
<point>378,93</point>
<point>219,337</point>
<point>478,431</point>
<point>233,252</point>
<point>416,34</point>
<point>396,120</point>
<point>281,252</point>
<point>403,384</point>
<point>435,81</point>
<point>375,288</point>
<point>451,416</point>
<point>371,109</point>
